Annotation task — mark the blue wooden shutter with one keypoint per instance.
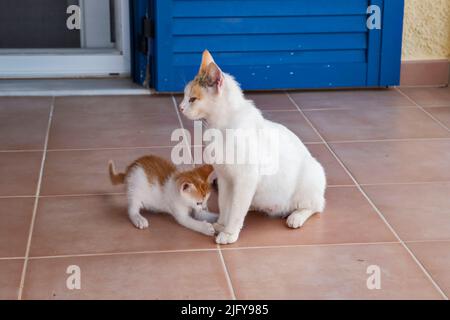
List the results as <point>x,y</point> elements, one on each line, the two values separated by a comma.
<point>286,44</point>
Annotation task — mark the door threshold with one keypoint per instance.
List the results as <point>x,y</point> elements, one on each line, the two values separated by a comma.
<point>71,87</point>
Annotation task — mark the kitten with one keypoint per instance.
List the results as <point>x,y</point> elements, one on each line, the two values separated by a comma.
<point>155,184</point>
<point>297,188</point>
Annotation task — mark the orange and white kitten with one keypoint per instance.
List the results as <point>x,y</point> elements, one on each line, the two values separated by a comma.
<point>155,184</point>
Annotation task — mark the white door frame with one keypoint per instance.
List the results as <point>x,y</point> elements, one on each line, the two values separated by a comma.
<point>95,33</point>
<point>49,63</point>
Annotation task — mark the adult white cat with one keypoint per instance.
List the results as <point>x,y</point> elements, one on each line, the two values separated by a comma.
<point>296,189</point>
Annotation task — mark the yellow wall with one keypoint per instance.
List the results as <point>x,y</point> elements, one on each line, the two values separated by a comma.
<point>426,33</point>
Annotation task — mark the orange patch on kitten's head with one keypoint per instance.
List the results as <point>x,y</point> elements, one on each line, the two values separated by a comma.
<point>196,181</point>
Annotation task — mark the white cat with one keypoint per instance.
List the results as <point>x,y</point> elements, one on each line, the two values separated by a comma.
<point>155,184</point>
<point>297,188</point>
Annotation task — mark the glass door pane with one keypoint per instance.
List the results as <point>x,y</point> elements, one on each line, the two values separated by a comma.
<point>43,24</point>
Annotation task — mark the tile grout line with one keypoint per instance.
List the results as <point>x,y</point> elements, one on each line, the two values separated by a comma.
<point>74,195</point>
<point>438,106</point>
<point>224,266</point>
<point>423,109</point>
<point>16,197</point>
<point>427,241</point>
<point>174,102</point>
<point>11,258</point>
<point>109,148</point>
<point>287,246</point>
<point>36,201</point>
<point>124,253</point>
<point>388,140</point>
<point>427,86</point>
<point>276,110</point>
<point>21,151</point>
<point>356,108</point>
<point>404,183</point>
<point>227,274</point>
<point>419,264</point>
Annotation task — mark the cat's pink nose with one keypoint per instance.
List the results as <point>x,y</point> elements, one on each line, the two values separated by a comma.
<point>181,108</point>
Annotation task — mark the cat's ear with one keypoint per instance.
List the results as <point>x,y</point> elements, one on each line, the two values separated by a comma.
<point>212,71</point>
<point>187,187</point>
<point>206,60</point>
<point>215,76</point>
<point>211,177</point>
<point>207,173</point>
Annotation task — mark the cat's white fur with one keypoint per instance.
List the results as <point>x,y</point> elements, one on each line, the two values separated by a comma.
<point>165,198</point>
<point>296,190</point>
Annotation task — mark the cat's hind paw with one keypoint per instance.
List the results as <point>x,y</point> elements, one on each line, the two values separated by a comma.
<point>298,218</point>
<point>227,238</point>
<point>139,222</point>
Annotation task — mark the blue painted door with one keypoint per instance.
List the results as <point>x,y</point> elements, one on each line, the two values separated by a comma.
<point>140,10</point>
<point>269,44</point>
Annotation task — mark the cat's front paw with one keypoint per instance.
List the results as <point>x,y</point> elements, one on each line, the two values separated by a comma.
<point>139,222</point>
<point>208,229</point>
<point>227,238</point>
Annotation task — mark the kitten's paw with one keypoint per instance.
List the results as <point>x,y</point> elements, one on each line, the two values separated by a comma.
<point>139,222</point>
<point>208,229</point>
<point>212,218</point>
<point>218,227</point>
<point>227,238</point>
<point>295,220</point>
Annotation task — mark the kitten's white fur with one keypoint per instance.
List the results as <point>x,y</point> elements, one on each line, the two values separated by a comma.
<point>166,198</point>
<point>296,190</point>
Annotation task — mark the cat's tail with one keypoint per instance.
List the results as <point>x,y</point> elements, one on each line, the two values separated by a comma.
<point>116,178</point>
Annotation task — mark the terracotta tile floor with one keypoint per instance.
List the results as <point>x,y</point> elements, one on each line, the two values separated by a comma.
<point>387,158</point>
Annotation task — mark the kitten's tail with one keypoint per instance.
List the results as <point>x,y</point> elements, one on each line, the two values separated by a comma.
<point>116,178</point>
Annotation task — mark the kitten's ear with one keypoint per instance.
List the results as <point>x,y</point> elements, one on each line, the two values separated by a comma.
<point>206,60</point>
<point>215,76</point>
<point>186,187</point>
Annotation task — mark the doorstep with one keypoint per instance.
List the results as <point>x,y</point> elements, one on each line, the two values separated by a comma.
<point>71,87</point>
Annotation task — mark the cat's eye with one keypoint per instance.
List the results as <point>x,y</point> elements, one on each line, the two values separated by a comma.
<point>199,203</point>
<point>192,99</point>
